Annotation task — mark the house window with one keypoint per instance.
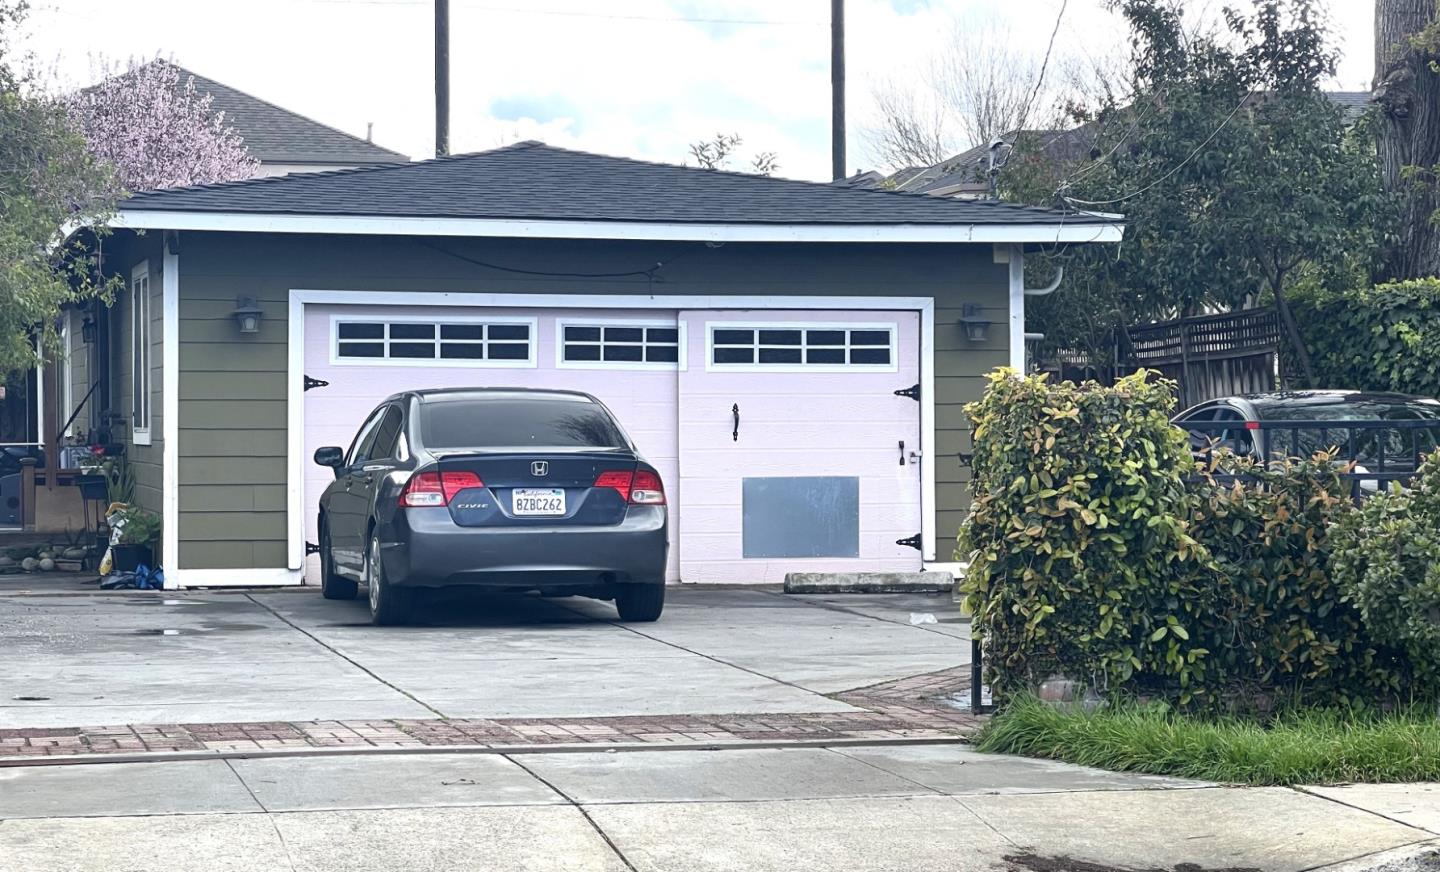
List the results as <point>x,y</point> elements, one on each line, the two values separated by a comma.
<point>455,343</point>
<point>802,347</point>
<point>140,354</point>
<point>619,345</point>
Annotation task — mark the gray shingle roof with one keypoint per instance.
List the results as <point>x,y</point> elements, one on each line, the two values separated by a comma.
<point>534,181</point>
<point>276,135</point>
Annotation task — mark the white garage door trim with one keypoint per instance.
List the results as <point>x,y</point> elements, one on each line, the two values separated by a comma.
<point>295,406</point>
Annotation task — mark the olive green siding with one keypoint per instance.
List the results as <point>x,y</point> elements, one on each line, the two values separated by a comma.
<point>232,415</point>
<point>145,460</point>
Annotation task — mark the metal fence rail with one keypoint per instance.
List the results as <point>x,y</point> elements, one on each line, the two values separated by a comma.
<point>1375,452</point>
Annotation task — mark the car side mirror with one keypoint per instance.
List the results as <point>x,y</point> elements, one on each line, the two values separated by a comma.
<point>331,456</point>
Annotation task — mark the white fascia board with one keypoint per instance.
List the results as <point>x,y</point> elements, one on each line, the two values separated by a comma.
<point>408,226</point>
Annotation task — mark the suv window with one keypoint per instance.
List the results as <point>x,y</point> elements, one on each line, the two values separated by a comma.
<point>518,422</point>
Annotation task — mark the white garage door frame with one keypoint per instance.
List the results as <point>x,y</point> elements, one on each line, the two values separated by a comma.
<point>299,298</point>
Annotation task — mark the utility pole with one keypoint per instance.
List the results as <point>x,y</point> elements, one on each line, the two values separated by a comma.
<point>442,77</point>
<point>837,89</point>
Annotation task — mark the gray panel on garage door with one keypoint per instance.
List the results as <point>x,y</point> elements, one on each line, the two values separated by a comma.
<point>803,516</point>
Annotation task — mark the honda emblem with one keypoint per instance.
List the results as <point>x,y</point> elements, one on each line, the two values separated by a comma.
<point>540,467</point>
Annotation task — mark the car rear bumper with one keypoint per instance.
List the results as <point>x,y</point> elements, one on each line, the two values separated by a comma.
<point>424,548</point>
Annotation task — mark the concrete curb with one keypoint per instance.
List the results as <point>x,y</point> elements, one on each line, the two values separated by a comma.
<point>558,748</point>
<point>869,582</point>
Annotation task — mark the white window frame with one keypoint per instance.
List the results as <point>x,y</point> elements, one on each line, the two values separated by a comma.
<point>528,362</point>
<point>66,373</point>
<point>712,366</point>
<point>141,396</point>
<point>562,363</point>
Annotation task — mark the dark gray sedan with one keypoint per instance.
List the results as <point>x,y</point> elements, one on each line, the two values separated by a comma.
<point>511,490</point>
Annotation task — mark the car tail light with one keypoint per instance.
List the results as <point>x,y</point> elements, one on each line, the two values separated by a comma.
<point>637,488</point>
<point>646,489</point>
<point>436,488</point>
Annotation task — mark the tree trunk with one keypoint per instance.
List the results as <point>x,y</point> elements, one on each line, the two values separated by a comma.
<point>1408,93</point>
<point>1292,332</point>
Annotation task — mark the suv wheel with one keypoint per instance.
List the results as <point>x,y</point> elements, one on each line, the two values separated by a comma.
<point>389,605</point>
<point>640,602</point>
<point>332,585</point>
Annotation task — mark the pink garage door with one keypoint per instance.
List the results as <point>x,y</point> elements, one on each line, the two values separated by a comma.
<point>628,359</point>
<point>795,451</point>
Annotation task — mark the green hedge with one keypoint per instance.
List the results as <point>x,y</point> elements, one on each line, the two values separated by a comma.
<point>1080,558</point>
<point>1388,561</point>
<point>1384,338</point>
<point>1099,550</point>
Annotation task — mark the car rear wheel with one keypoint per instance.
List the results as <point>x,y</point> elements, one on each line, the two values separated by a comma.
<point>333,586</point>
<point>640,602</point>
<point>389,605</point>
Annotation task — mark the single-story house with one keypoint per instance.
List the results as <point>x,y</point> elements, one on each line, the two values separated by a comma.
<point>792,356</point>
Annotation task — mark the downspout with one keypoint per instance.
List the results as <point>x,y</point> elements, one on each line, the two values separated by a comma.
<point>1017,309</point>
<point>1018,293</point>
<point>1048,289</point>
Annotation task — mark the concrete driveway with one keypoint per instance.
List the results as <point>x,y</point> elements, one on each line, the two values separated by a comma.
<point>206,657</point>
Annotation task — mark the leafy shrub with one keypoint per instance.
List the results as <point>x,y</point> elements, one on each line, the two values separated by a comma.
<point>1276,621</point>
<point>1080,558</point>
<point>1383,338</point>
<point>1100,551</point>
<point>1388,563</point>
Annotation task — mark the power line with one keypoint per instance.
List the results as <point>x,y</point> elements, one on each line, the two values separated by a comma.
<point>1044,65</point>
<point>648,272</point>
<point>1189,157</point>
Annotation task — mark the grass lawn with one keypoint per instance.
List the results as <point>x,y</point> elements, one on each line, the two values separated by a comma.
<point>1308,748</point>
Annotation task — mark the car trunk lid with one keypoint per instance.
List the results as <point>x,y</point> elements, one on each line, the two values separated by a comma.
<point>538,488</point>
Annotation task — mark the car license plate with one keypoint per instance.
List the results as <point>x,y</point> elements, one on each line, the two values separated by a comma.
<point>538,501</point>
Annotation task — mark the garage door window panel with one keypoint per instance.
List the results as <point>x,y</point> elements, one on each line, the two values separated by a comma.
<point>618,346</point>
<point>803,348</point>
<point>457,343</point>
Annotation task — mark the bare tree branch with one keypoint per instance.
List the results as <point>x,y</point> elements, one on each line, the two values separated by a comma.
<point>907,133</point>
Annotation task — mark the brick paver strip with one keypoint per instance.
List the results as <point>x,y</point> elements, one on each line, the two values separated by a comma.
<point>918,706</point>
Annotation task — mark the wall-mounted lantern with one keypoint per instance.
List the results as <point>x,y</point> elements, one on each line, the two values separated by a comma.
<point>88,331</point>
<point>976,327</point>
<point>247,315</point>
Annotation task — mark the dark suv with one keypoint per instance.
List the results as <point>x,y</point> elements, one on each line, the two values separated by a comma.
<point>514,490</point>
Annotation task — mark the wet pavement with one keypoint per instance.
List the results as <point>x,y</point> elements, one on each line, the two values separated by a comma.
<point>206,656</point>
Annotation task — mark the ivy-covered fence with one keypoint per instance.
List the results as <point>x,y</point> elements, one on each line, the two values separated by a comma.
<point>1383,338</point>
<point>1099,551</point>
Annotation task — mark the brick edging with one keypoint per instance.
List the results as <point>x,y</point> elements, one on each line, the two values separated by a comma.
<point>908,708</point>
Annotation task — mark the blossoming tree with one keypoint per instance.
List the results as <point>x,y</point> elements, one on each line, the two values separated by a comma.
<point>158,131</point>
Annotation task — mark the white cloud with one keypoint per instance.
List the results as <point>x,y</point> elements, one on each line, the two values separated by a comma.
<point>627,77</point>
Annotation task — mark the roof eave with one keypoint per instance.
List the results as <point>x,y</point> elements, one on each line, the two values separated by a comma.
<point>1080,231</point>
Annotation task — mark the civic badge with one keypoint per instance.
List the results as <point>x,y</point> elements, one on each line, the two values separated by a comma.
<point>540,467</point>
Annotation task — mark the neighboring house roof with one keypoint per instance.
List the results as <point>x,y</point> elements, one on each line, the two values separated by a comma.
<point>274,135</point>
<point>967,173</point>
<point>1352,103</point>
<point>531,181</point>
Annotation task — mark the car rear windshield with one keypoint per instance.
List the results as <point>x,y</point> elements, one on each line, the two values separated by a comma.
<point>518,422</point>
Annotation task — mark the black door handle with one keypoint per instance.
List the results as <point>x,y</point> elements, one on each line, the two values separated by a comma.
<point>902,452</point>
<point>735,410</point>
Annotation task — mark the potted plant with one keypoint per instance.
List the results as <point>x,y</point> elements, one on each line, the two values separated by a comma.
<point>136,533</point>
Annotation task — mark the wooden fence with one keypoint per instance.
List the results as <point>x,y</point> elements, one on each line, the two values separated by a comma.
<point>1209,356</point>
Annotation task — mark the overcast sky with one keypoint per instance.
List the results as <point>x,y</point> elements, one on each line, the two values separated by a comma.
<point>641,78</point>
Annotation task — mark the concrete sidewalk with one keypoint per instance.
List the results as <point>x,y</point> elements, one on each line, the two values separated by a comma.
<point>899,808</point>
